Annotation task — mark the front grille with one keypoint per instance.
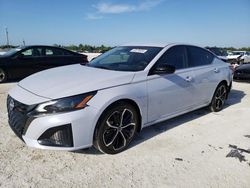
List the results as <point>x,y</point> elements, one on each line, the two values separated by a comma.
<point>18,118</point>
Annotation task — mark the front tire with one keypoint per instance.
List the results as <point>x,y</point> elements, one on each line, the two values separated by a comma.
<point>3,76</point>
<point>116,128</point>
<point>219,98</point>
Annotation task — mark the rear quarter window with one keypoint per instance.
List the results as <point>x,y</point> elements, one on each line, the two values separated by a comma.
<point>198,56</point>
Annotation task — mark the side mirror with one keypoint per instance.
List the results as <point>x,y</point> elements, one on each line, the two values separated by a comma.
<point>164,69</point>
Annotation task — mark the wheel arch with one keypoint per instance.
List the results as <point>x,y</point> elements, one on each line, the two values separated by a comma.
<point>228,86</point>
<point>6,73</point>
<point>126,100</point>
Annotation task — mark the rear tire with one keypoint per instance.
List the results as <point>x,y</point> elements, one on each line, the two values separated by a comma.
<point>3,76</point>
<point>116,128</point>
<point>219,98</point>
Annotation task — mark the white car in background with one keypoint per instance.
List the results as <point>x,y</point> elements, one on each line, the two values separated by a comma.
<point>120,92</point>
<point>239,57</point>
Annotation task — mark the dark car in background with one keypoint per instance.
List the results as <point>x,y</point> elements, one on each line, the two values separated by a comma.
<point>23,61</point>
<point>242,72</point>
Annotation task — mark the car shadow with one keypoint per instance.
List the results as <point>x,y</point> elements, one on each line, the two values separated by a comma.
<point>147,133</point>
<point>235,96</point>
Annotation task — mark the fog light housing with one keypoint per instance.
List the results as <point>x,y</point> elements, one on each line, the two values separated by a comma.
<point>60,136</point>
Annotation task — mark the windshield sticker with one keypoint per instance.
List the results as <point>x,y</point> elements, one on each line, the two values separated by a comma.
<point>142,51</point>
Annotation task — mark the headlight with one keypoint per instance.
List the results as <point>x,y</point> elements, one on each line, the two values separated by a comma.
<point>64,104</point>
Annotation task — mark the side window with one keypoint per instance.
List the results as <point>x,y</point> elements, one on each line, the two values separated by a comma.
<point>48,52</point>
<point>67,53</point>
<point>32,52</point>
<point>53,52</point>
<point>175,56</point>
<point>198,56</point>
<point>27,53</point>
<point>57,51</point>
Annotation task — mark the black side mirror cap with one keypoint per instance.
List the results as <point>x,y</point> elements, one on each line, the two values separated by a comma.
<point>164,69</point>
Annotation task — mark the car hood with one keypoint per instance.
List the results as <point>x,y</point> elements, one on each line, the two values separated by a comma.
<point>72,80</point>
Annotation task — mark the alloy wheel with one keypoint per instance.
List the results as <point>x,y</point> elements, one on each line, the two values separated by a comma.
<point>220,97</point>
<point>120,127</point>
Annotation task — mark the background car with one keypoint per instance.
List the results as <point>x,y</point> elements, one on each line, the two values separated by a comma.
<point>242,72</point>
<point>239,57</point>
<point>128,88</point>
<point>24,61</point>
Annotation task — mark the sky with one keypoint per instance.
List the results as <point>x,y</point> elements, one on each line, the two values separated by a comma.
<point>112,22</point>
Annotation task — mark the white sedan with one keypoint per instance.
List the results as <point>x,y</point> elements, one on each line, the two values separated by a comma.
<point>239,57</point>
<point>120,92</point>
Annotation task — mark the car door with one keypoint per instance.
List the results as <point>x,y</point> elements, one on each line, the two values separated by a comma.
<point>58,57</point>
<point>24,62</point>
<point>170,94</point>
<point>205,73</point>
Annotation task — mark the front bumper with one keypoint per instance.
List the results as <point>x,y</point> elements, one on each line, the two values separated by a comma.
<point>70,131</point>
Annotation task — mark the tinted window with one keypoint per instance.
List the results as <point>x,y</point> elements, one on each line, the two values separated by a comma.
<point>55,52</point>
<point>175,56</point>
<point>32,52</point>
<point>48,52</point>
<point>198,56</point>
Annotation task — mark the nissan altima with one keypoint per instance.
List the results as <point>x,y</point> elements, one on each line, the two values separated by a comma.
<point>108,101</point>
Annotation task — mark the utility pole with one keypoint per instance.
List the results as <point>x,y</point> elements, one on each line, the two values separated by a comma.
<point>23,42</point>
<point>7,36</point>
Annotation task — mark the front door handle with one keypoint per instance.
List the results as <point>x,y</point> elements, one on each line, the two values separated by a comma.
<point>189,79</point>
<point>216,70</point>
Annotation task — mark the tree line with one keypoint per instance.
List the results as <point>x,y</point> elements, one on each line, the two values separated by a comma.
<point>78,48</point>
<point>103,48</point>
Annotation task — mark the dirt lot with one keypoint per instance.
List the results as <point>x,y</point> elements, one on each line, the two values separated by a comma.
<point>188,151</point>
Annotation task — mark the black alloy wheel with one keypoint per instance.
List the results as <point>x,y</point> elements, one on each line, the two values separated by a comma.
<point>116,128</point>
<point>219,98</point>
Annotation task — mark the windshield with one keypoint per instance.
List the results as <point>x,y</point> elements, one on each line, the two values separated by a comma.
<point>11,51</point>
<point>126,58</point>
<point>218,51</point>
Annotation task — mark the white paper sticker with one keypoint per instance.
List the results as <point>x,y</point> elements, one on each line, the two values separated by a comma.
<point>142,51</point>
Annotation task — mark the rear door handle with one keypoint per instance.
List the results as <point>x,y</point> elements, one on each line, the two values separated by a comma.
<point>216,70</point>
<point>189,79</point>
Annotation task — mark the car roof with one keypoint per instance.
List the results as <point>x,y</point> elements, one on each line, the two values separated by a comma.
<point>162,45</point>
<point>29,46</point>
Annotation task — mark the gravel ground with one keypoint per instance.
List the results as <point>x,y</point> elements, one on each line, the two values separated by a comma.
<point>192,150</point>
